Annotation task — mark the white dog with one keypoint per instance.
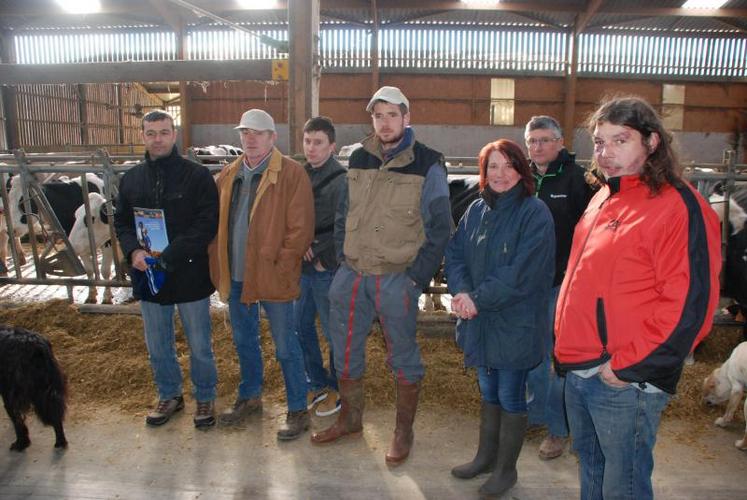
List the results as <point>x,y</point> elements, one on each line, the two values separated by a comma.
<point>728,382</point>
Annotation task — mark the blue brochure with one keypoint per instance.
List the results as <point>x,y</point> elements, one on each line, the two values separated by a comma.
<point>150,228</point>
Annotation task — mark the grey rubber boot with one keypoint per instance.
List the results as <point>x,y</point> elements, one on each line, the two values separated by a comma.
<point>487,448</point>
<point>511,439</point>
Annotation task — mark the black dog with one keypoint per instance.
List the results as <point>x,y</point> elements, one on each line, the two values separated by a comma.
<point>30,376</point>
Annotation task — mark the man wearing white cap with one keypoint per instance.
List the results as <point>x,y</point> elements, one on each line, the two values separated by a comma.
<point>392,227</point>
<point>266,224</point>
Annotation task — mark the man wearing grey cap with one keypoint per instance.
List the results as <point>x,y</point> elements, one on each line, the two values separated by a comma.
<point>266,224</point>
<point>391,229</point>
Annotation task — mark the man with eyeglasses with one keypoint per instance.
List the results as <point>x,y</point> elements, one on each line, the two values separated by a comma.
<point>561,184</point>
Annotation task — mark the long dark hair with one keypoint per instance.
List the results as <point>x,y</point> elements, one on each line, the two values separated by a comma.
<point>514,154</point>
<point>662,165</point>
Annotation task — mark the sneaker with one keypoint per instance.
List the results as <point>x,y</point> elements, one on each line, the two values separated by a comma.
<point>551,447</point>
<point>205,414</point>
<point>329,406</point>
<point>296,422</point>
<point>315,397</point>
<point>163,411</point>
<point>241,409</point>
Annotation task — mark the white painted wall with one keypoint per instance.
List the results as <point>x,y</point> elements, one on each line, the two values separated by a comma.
<point>467,140</point>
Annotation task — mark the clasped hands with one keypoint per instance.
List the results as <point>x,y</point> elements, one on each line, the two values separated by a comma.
<point>463,307</point>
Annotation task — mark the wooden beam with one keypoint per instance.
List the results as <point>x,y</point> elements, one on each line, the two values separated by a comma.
<point>9,95</point>
<point>144,71</point>
<point>583,19</point>
<point>375,78</point>
<point>569,104</point>
<point>170,15</point>
<point>303,85</point>
<point>82,113</point>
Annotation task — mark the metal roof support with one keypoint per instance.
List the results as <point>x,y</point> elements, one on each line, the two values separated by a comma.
<point>374,48</point>
<point>303,85</point>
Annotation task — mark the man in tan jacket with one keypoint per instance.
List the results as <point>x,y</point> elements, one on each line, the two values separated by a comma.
<point>266,224</point>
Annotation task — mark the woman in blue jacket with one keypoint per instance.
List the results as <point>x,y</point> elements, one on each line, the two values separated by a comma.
<point>500,266</point>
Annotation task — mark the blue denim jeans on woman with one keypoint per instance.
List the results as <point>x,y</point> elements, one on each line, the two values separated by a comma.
<point>158,326</point>
<point>315,299</point>
<point>245,326</point>
<point>547,402</point>
<point>503,387</point>
<point>614,433</point>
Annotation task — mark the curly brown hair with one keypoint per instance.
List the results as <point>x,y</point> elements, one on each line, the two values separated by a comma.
<point>662,165</point>
<point>515,156</point>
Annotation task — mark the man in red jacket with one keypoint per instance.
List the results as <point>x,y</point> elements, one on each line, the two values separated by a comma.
<point>638,295</point>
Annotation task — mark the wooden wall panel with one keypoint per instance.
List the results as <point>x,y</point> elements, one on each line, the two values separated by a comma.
<point>465,99</point>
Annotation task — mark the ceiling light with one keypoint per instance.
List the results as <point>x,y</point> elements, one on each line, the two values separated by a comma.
<point>704,4</point>
<point>258,4</point>
<point>80,6</point>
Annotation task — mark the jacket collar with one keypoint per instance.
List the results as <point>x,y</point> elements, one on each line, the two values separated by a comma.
<point>330,161</point>
<point>402,155</point>
<point>502,200</point>
<point>624,183</point>
<point>166,160</point>
<point>556,166</point>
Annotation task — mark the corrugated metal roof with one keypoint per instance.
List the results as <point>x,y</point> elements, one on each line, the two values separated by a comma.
<point>557,14</point>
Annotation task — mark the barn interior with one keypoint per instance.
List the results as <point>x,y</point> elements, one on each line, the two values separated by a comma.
<point>75,85</point>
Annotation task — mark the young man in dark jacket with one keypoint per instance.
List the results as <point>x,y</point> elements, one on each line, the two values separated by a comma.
<point>560,183</point>
<point>186,193</point>
<point>319,263</point>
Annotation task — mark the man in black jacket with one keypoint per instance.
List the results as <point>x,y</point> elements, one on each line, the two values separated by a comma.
<point>185,193</point>
<point>319,264</point>
<point>561,185</point>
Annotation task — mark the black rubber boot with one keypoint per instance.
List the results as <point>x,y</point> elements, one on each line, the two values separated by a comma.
<point>513,430</point>
<point>487,448</point>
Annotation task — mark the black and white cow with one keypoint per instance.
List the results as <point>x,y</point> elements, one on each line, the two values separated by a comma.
<point>65,197</point>
<point>735,268</point>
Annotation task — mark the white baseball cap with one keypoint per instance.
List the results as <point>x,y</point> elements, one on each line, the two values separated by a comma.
<point>256,119</point>
<point>391,95</point>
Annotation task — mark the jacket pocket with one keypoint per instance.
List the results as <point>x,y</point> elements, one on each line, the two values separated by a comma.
<point>602,327</point>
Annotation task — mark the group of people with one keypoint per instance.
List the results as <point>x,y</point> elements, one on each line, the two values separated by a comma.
<point>578,293</point>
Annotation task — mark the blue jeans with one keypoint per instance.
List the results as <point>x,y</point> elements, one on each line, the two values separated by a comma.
<point>614,433</point>
<point>315,299</point>
<point>547,404</point>
<point>245,326</point>
<point>504,388</point>
<point>158,326</point>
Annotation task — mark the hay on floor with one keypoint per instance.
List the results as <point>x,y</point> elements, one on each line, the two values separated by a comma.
<point>106,363</point>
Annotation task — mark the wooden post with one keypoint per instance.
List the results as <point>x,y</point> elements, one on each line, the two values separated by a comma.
<point>82,113</point>
<point>303,84</point>
<point>186,123</point>
<point>569,108</point>
<point>375,79</point>
<point>9,96</point>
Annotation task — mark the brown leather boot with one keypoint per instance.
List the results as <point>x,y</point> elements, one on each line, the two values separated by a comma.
<point>350,419</point>
<point>407,405</point>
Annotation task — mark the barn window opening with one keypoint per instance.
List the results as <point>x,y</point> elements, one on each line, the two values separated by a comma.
<point>673,106</point>
<point>501,101</point>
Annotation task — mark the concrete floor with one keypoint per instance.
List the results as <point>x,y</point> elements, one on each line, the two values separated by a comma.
<point>116,456</point>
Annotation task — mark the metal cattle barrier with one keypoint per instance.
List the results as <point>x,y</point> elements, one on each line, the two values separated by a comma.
<point>57,264</point>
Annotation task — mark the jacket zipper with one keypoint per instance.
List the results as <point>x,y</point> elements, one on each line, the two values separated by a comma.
<point>578,257</point>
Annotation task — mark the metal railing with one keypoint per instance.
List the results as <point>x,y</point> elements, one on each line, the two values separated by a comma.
<point>62,266</point>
